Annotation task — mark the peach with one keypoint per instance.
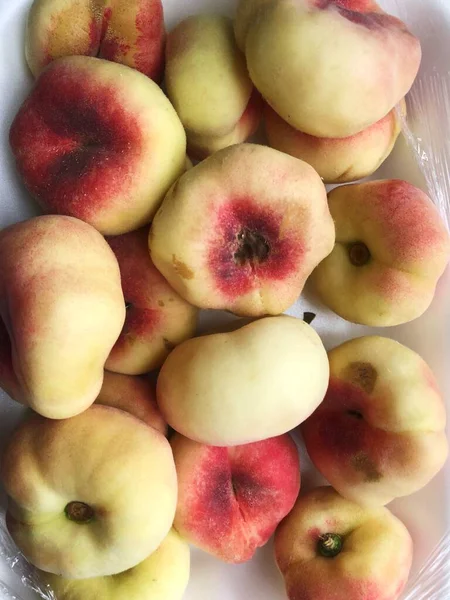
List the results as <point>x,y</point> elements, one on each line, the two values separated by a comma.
<point>243,230</point>
<point>61,311</point>
<point>380,432</point>
<point>256,382</point>
<point>130,32</point>
<point>89,496</point>
<point>391,249</point>
<point>208,84</point>
<point>157,317</point>
<point>98,141</point>
<point>337,160</point>
<point>164,575</point>
<point>135,395</point>
<point>230,500</point>
<point>330,68</point>
<point>330,548</point>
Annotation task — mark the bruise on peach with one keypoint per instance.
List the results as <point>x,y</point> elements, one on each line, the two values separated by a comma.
<point>362,374</point>
<point>250,248</point>
<point>79,153</point>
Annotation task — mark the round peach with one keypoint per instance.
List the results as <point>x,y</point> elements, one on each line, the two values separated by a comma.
<point>157,317</point>
<point>391,249</point>
<point>61,311</point>
<point>330,548</point>
<point>72,485</point>
<point>98,141</point>
<point>256,382</point>
<point>208,84</point>
<point>130,32</point>
<point>243,230</point>
<point>135,395</point>
<point>164,575</point>
<point>230,500</point>
<point>330,68</point>
<point>337,160</point>
<point>380,432</point>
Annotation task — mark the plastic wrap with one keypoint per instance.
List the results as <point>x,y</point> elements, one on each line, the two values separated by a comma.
<point>427,138</point>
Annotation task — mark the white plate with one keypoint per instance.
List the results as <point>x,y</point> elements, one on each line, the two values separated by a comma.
<point>426,513</point>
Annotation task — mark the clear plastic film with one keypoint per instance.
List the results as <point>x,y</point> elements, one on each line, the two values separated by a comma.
<point>426,132</point>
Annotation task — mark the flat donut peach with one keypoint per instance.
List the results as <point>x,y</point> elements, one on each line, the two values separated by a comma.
<point>98,141</point>
<point>391,249</point>
<point>230,500</point>
<point>330,68</point>
<point>242,231</point>
<point>337,160</point>
<point>130,32</point>
<point>157,317</point>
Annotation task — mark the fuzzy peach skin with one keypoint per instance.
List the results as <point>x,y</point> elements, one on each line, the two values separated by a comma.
<point>157,317</point>
<point>135,395</point>
<point>98,141</point>
<point>253,383</point>
<point>243,230</point>
<point>380,432</point>
<point>208,84</point>
<point>61,309</point>
<point>330,68</point>
<point>89,496</point>
<point>164,575</point>
<point>337,160</point>
<point>391,249</point>
<point>330,548</point>
<point>130,32</point>
<point>230,500</point>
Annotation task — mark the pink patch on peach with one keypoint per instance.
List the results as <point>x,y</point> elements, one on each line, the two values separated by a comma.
<point>239,217</point>
<point>150,43</point>
<point>87,147</point>
<point>362,12</point>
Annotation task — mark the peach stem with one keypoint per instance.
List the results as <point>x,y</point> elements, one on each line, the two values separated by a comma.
<point>79,512</point>
<point>330,545</point>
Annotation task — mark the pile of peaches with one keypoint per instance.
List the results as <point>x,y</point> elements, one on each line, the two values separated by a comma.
<point>106,287</point>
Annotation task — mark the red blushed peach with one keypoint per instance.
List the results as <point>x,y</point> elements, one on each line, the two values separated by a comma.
<point>243,230</point>
<point>337,160</point>
<point>391,249</point>
<point>98,141</point>
<point>135,395</point>
<point>130,32</point>
<point>209,86</point>
<point>330,68</point>
<point>329,548</point>
<point>157,318</point>
<point>380,432</point>
<point>230,500</point>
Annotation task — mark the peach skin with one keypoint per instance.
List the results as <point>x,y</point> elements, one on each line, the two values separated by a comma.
<point>330,68</point>
<point>380,432</point>
<point>337,160</point>
<point>98,141</point>
<point>61,311</point>
<point>230,500</point>
<point>164,575</point>
<point>243,230</point>
<point>330,548</point>
<point>208,84</point>
<point>391,249</point>
<point>207,389</point>
<point>135,395</point>
<point>89,496</point>
<point>157,318</point>
<point>130,32</point>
